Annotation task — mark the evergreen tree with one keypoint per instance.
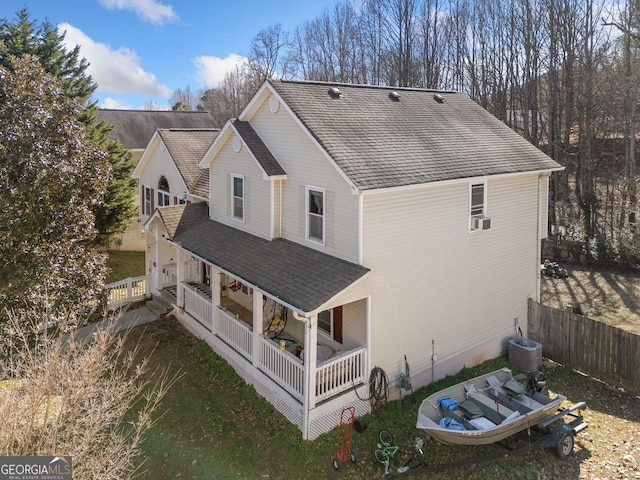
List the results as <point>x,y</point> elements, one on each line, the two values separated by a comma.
<point>52,175</point>
<point>23,37</point>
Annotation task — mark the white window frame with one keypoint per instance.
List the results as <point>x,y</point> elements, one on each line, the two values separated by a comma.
<point>147,202</point>
<point>477,210</point>
<point>235,176</point>
<point>164,198</point>
<point>322,330</point>
<point>309,214</point>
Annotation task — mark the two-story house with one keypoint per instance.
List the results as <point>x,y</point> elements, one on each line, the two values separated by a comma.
<point>348,226</point>
<point>134,130</point>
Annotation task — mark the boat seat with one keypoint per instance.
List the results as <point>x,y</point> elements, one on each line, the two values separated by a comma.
<point>469,409</point>
<point>494,411</point>
<point>513,387</point>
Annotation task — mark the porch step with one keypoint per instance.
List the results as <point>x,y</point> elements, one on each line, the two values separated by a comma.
<point>159,305</point>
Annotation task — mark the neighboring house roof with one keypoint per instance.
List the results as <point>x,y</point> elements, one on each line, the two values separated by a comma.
<point>381,140</point>
<point>186,147</point>
<point>297,275</point>
<point>134,128</point>
<point>259,150</point>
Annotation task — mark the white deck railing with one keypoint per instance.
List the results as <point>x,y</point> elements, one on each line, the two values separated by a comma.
<point>126,291</point>
<point>282,366</point>
<point>340,373</point>
<point>197,306</point>
<point>234,332</point>
<point>169,275</point>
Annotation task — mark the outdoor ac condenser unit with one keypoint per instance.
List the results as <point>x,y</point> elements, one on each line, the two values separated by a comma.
<point>525,353</point>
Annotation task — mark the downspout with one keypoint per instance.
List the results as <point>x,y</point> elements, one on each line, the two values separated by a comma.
<point>538,239</point>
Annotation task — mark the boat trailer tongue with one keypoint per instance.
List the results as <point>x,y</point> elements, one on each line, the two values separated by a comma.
<point>559,437</point>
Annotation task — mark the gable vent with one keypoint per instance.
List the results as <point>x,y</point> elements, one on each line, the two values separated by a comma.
<point>395,96</point>
<point>334,92</point>
<point>438,98</point>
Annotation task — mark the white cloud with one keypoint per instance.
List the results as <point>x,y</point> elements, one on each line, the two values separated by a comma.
<point>116,71</point>
<point>212,70</point>
<point>148,10</point>
<point>115,104</point>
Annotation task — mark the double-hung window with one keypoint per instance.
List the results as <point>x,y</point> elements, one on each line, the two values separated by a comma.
<point>237,197</point>
<point>147,201</point>
<point>477,204</point>
<point>164,198</point>
<point>315,214</point>
<point>330,323</point>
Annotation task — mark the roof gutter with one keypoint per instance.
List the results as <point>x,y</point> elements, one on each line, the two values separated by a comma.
<point>454,181</point>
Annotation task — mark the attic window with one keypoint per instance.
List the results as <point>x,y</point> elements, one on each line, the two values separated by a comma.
<point>438,98</point>
<point>334,92</point>
<point>395,96</point>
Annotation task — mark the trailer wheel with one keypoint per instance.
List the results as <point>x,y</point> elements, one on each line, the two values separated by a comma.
<point>336,463</point>
<point>564,448</point>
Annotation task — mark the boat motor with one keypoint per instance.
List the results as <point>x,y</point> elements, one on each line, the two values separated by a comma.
<point>537,381</point>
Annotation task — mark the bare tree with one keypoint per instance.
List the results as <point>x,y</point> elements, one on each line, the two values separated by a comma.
<point>72,397</point>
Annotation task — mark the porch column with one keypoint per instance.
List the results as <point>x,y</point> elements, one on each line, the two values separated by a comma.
<point>214,283</point>
<point>159,262</point>
<point>310,362</point>
<point>180,260</point>
<point>257,326</point>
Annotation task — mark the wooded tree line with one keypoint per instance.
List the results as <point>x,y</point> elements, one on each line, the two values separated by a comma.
<point>563,73</point>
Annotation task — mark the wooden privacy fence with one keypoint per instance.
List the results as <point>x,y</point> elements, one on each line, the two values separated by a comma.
<point>592,347</point>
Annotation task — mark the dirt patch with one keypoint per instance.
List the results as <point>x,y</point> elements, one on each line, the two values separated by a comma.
<point>612,297</point>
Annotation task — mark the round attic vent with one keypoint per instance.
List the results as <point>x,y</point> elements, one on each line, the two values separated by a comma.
<point>274,104</point>
<point>237,144</point>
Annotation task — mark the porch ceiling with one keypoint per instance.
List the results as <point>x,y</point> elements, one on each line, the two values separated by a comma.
<point>299,276</point>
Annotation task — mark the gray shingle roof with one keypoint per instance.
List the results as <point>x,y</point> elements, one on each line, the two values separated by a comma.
<point>263,155</point>
<point>186,147</point>
<point>297,275</point>
<point>134,128</point>
<point>379,142</point>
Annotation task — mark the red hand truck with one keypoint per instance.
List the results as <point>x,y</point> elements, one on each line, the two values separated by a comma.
<point>345,432</point>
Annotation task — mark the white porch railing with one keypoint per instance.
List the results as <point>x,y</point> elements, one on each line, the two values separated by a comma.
<point>169,275</point>
<point>283,366</point>
<point>340,373</point>
<point>234,332</point>
<point>197,306</point>
<point>126,291</point>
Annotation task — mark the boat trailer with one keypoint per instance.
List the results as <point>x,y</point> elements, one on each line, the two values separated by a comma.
<point>561,437</point>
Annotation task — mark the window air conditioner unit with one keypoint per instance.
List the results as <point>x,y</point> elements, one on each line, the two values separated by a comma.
<point>480,223</point>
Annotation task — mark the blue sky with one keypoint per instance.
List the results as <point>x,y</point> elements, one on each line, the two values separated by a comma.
<point>142,50</point>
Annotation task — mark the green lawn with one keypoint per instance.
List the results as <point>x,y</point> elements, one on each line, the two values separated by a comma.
<point>124,265</point>
<point>216,426</point>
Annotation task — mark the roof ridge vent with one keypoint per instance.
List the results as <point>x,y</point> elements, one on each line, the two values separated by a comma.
<point>334,92</point>
<point>438,98</point>
<point>395,96</point>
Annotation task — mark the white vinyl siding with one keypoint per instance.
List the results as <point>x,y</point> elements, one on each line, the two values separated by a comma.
<point>305,165</point>
<point>256,196</point>
<point>160,164</point>
<point>452,288</point>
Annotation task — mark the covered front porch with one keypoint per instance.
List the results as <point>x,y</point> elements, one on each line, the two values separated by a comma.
<point>271,343</point>
<point>299,339</point>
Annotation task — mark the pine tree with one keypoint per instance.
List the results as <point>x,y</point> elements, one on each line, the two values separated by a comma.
<point>51,177</point>
<point>113,213</point>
